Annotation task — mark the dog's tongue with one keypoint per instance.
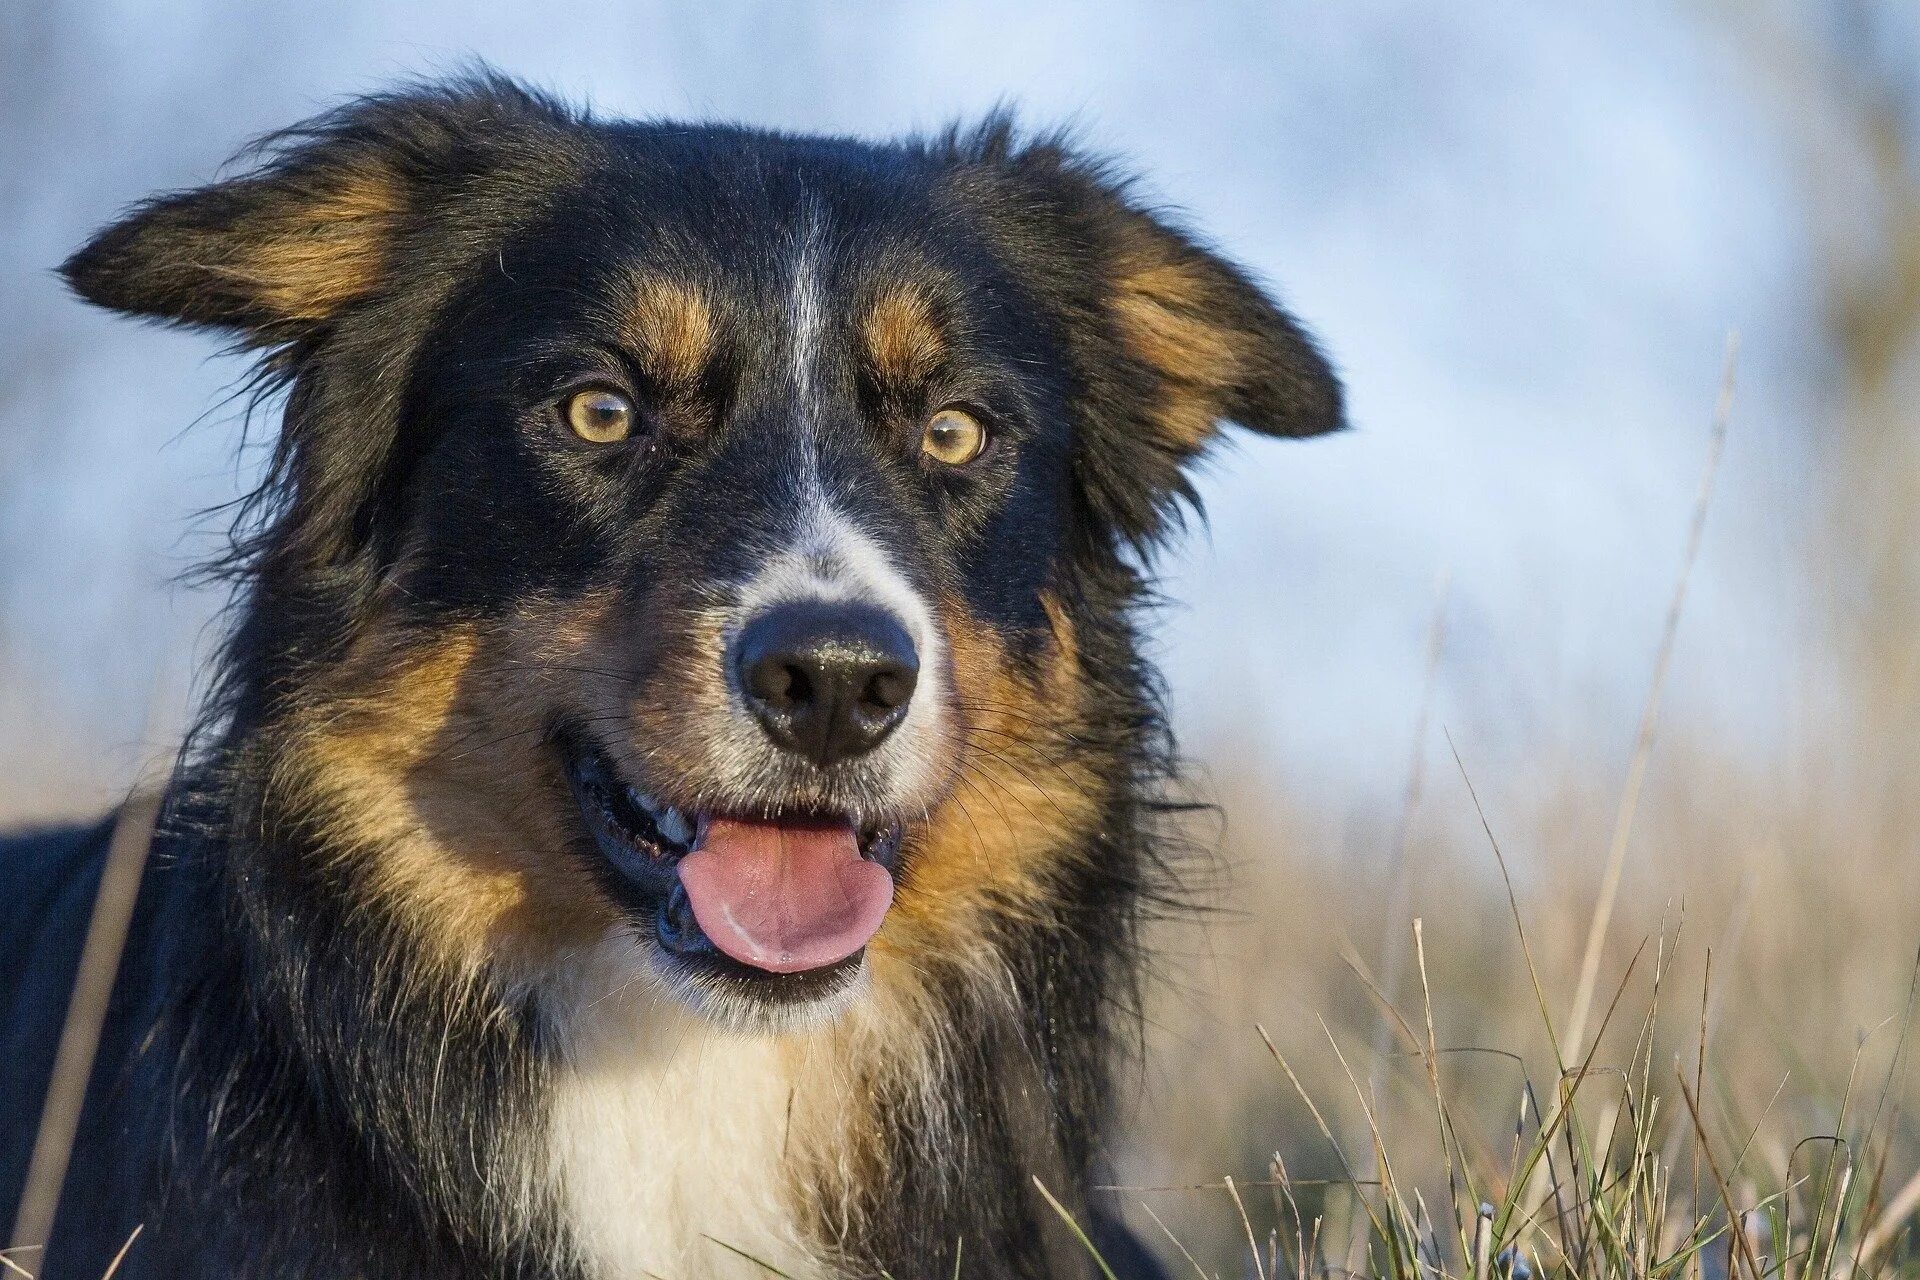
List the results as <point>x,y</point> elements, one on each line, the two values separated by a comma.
<point>785,896</point>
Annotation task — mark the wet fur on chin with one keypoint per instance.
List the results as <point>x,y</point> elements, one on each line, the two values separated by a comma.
<point>379,1017</point>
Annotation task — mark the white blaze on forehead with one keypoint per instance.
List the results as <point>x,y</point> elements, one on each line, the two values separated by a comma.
<point>829,557</point>
<point>805,309</point>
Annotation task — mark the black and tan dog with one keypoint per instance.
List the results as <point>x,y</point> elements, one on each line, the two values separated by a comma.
<point>682,782</point>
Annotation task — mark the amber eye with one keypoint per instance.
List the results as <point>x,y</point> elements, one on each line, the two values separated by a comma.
<point>953,437</point>
<point>600,416</point>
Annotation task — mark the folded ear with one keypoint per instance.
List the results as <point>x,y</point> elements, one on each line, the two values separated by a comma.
<point>280,252</point>
<point>1168,339</point>
<point>1217,346</point>
<point>332,255</point>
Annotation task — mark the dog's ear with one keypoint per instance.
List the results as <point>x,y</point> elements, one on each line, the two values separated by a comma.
<point>332,255</point>
<point>1218,347</point>
<point>278,254</point>
<point>1169,340</point>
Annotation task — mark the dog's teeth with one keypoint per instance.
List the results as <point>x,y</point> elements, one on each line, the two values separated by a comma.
<point>674,826</point>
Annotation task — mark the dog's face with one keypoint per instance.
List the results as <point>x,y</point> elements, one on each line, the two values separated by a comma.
<point>692,536</point>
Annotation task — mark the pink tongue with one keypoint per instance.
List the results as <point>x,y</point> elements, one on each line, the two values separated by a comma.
<point>785,896</point>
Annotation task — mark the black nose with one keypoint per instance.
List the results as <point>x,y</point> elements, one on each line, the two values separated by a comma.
<point>829,681</point>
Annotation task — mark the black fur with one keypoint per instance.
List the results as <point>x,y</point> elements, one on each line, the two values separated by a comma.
<point>272,1097</point>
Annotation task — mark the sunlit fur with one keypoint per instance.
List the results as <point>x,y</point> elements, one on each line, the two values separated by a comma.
<point>387,1011</point>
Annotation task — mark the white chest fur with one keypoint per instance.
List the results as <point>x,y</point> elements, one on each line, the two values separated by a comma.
<point>669,1135</point>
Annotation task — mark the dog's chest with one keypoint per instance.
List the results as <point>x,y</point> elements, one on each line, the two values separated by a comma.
<point>668,1148</point>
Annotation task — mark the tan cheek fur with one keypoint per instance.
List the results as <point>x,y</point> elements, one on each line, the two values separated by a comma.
<point>1021,802</point>
<point>428,768</point>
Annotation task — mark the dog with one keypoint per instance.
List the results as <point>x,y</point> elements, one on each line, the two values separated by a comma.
<point>682,791</point>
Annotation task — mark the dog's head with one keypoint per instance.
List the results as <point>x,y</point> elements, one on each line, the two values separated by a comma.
<point>706,538</point>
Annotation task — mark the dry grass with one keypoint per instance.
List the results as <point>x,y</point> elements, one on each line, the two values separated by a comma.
<point>1749,1063</point>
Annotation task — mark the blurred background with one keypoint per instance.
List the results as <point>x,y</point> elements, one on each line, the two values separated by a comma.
<point>1525,232</point>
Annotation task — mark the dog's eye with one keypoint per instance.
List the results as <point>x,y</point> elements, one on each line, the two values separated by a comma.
<point>600,416</point>
<point>953,437</point>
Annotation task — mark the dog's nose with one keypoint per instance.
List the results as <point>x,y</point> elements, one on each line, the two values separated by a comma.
<point>826,680</point>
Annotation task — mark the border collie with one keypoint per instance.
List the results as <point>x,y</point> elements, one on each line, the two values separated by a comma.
<point>682,789</point>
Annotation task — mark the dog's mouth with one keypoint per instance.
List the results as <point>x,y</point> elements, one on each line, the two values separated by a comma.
<point>783,898</point>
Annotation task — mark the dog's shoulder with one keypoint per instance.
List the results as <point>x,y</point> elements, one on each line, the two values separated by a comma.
<point>47,883</point>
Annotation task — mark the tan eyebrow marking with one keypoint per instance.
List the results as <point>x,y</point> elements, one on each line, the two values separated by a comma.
<point>672,325</point>
<point>903,337</point>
